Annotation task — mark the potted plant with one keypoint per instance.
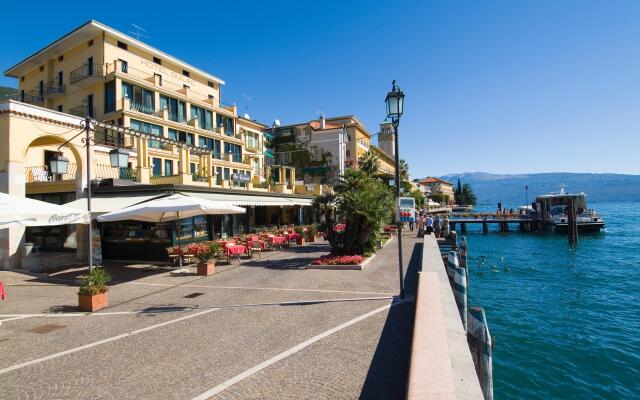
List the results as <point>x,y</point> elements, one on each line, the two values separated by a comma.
<point>94,292</point>
<point>206,255</point>
<point>312,231</point>
<point>300,231</point>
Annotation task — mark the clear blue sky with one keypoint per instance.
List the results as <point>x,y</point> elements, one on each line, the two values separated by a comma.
<point>494,86</point>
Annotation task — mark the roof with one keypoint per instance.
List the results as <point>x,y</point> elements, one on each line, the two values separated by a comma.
<point>431,179</point>
<point>316,125</point>
<point>337,123</point>
<point>85,32</point>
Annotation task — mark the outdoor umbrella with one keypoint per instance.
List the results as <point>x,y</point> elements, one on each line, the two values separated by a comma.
<point>171,208</point>
<point>21,211</point>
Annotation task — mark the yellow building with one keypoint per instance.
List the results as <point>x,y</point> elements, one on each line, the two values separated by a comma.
<point>438,186</point>
<point>164,113</point>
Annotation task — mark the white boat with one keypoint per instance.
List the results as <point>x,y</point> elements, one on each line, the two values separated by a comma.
<point>552,210</point>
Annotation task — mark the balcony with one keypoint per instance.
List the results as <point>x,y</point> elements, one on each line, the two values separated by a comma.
<point>54,89</point>
<point>40,173</point>
<point>83,111</point>
<point>86,74</point>
<point>105,171</point>
<point>139,107</point>
<point>31,97</point>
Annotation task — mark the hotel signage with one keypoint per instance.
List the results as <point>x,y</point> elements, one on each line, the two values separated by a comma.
<point>159,69</point>
<point>240,177</point>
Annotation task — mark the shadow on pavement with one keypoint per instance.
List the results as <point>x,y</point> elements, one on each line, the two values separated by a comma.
<point>389,370</point>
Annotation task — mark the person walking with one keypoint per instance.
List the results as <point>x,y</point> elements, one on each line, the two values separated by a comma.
<point>437,226</point>
<point>429,225</point>
<point>412,221</point>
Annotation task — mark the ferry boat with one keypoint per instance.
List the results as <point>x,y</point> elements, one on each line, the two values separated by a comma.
<point>551,210</point>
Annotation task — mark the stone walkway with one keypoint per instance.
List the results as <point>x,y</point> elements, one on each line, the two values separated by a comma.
<point>262,329</point>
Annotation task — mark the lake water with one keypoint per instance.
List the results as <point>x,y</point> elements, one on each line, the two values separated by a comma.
<point>566,321</point>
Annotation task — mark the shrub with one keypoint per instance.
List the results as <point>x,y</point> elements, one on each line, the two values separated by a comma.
<point>95,282</point>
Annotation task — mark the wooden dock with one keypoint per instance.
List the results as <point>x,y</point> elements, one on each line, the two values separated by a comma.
<point>524,224</point>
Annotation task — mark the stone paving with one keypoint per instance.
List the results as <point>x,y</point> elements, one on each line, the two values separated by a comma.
<point>154,343</point>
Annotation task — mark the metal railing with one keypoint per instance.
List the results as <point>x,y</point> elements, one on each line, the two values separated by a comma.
<point>165,180</point>
<point>139,107</point>
<point>53,87</point>
<point>41,173</point>
<point>199,178</point>
<point>105,171</point>
<point>86,71</point>
<point>82,111</point>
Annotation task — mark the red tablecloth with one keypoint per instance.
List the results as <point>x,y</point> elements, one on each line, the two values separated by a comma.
<point>278,240</point>
<point>260,242</point>
<point>236,249</point>
<point>293,236</point>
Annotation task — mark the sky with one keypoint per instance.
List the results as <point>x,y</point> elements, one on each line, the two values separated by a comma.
<point>492,86</point>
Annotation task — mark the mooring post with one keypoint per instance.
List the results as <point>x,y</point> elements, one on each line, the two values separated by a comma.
<point>485,227</point>
<point>572,224</point>
<point>463,227</point>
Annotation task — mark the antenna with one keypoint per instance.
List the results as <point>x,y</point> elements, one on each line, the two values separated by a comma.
<point>138,33</point>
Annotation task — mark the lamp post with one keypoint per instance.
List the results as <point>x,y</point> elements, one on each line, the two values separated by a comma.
<point>59,165</point>
<point>395,104</point>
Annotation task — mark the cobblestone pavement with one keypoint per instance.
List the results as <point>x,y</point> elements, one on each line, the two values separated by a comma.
<point>262,329</point>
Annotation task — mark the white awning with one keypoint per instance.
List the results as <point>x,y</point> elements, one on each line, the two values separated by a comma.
<point>107,203</point>
<point>247,200</point>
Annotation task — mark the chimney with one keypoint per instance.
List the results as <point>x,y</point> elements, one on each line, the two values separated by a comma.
<point>322,122</point>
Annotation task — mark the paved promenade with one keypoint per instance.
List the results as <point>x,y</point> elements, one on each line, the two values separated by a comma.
<point>263,329</point>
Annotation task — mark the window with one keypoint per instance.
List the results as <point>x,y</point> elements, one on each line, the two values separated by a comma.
<point>227,175</point>
<point>235,151</point>
<point>124,66</point>
<point>173,134</point>
<point>60,58</point>
<point>110,97</point>
<point>185,72</point>
<point>90,43</point>
<point>142,100</point>
<point>41,68</point>
<point>168,167</point>
<point>226,123</point>
<point>187,138</point>
<point>205,117</point>
<point>59,108</point>
<point>348,153</point>
<point>192,168</point>
<point>146,127</point>
<point>210,84</point>
<point>60,79</point>
<point>156,166</point>
<point>218,175</point>
<point>157,60</point>
<point>176,108</point>
<point>122,46</point>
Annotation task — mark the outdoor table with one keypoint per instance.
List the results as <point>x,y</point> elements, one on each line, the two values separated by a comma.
<point>278,241</point>
<point>293,236</point>
<point>235,250</point>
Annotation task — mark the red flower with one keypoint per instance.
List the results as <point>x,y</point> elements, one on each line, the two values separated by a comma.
<point>338,260</point>
<point>339,227</point>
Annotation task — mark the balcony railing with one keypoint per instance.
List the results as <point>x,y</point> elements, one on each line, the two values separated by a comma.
<point>82,111</point>
<point>41,173</point>
<point>165,180</point>
<point>53,88</point>
<point>32,96</point>
<point>174,116</point>
<point>105,171</point>
<point>141,107</point>
<point>199,178</point>
<point>86,71</point>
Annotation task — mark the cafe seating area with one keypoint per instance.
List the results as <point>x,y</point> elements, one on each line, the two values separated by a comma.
<point>247,246</point>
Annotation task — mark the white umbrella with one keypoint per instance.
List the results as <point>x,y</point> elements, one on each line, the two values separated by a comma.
<point>21,211</point>
<point>171,208</point>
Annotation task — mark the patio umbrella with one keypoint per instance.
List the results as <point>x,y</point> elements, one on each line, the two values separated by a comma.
<point>173,207</point>
<point>18,211</point>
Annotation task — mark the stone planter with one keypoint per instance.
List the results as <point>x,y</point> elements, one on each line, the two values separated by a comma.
<point>94,302</point>
<point>207,268</point>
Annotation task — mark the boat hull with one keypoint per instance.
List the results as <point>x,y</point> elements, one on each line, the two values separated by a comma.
<point>582,227</point>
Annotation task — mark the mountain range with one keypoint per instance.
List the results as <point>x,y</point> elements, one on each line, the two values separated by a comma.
<point>510,188</point>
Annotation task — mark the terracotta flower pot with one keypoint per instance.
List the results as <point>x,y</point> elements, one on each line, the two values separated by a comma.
<point>300,241</point>
<point>206,268</point>
<point>93,302</point>
<point>311,238</point>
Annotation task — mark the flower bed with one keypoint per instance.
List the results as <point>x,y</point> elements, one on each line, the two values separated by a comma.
<point>338,260</point>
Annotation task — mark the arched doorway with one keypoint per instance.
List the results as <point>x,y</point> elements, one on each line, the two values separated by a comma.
<point>41,184</point>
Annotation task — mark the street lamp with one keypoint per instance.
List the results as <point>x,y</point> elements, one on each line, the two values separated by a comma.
<point>59,165</point>
<point>395,105</point>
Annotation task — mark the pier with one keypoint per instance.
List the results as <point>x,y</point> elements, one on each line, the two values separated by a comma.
<point>504,223</point>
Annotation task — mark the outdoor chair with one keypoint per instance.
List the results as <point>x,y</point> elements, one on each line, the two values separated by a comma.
<point>172,258</point>
<point>256,248</point>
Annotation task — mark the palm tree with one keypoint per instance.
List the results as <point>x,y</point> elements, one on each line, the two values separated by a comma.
<point>404,169</point>
<point>368,162</point>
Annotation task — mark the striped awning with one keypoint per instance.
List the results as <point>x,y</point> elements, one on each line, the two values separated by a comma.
<point>248,200</point>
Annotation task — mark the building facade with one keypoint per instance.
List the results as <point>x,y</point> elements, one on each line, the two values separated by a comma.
<point>164,113</point>
<point>438,186</point>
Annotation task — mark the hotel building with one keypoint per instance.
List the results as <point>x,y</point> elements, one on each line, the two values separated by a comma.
<point>166,114</point>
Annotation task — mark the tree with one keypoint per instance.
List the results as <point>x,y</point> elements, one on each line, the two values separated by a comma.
<point>404,169</point>
<point>419,197</point>
<point>469,198</point>
<point>369,162</point>
<point>459,196</point>
<point>365,204</point>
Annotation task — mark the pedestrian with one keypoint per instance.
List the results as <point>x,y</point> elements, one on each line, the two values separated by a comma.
<point>412,220</point>
<point>437,226</point>
<point>429,224</point>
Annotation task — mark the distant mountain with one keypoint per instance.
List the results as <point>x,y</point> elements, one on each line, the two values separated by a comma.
<point>509,189</point>
<point>6,91</point>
